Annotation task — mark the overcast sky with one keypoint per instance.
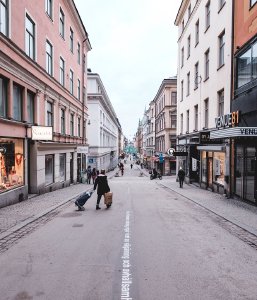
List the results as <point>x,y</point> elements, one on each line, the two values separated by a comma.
<point>134,47</point>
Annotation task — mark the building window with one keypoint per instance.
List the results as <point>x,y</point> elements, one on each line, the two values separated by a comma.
<point>188,46</point>
<point>182,90</point>
<point>30,107</point>
<point>183,25</point>
<point>78,89</point>
<point>207,15</point>
<point>206,113</point>
<point>72,124</point>
<point>71,40</point>
<point>187,129</point>
<point>173,120</point>
<point>247,66</point>
<point>17,102</point>
<point>196,75</point>
<point>189,11</point>
<point>49,58</point>
<point>62,166</point>
<point>196,117</point>
<point>197,32</point>
<point>252,2</point>
<point>173,99</point>
<point>49,114</point>
<point>79,127</point>
<point>71,82</point>
<point>182,57</point>
<point>62,71</point>
<point>79,53</point>
<point>188,84</point>
<point>11,163</point>
<point>221,49</point>
<point>221,103</point>
<point>49,169</point>
<point>62,121</point>
<point>207,63</point>
<point>49,8</point>
<point>61,23</point>
<point>4,17</point>
<point>3,97</point>
<point>222,3</point>
<point>30,38</point>
<point>181,123</point>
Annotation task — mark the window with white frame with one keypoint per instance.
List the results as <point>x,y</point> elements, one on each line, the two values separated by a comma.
<point>181,123</point>
<point>221,103</point>
<point>188,46</point>
<point>188,83</point>
<point>72,124</point>
<point>222,49</point>
<point>71,40</point>
<point>206,113</point>
<point>207,63</point>
<point>17,102</point>
<point>79,53</point>
<point>49,8</point>
<point>207,14</point>
<point>61,23</point>
<point>49,58</point>
<point>49,113</point>
<point>3,96</point>
<point>30,37</point>
<point>62,71</point>
<point>71,82</point>
<point>4,6</point>
<point>197,32</point>
<point>196,117</point>
<point>62,121</point>
<point>30,107</point>
<point>78,89</point>
<point>173,98</point>
<point>173,120</point>
<point>79,127</point>
<point>182,90</point>
<point>187,124</point>
<point>196,75</point>
<point>182,57</point>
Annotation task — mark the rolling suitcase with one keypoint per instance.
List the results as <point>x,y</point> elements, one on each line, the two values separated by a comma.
<point>108,199</point>
<point>82,199</point>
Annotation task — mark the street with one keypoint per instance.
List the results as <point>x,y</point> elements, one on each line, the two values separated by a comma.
<point>153,243</point>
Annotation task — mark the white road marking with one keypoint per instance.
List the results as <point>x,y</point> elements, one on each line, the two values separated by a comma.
<point>126,279</point>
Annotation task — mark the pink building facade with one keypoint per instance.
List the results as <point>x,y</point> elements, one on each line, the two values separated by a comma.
<point>43,84</point>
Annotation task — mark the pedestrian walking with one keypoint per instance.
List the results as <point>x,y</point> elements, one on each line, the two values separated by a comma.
<point>181,177</point>
<point>94,175</point>
<point>131,166</point>
<point>89,174</point>
<point>102,185</point>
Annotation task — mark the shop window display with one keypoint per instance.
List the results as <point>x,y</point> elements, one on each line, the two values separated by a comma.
<point>11,164</point>
<point>204,167</point>
<point>218,167</point>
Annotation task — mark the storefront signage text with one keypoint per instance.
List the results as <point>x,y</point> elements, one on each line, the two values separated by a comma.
<point>42,133</point>
<point>82,149</point>
<point>248,131</point>
<point>228,120</point>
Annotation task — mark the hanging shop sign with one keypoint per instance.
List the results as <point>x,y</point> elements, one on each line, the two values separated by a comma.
<point>234,132</point>
<point>42,133</point>
<point>180,153</point>
<point>228,120</point>
<point>170,151</point>
<point>82,149</point>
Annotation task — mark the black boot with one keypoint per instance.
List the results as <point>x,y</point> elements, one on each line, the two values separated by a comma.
<point>98,207</point>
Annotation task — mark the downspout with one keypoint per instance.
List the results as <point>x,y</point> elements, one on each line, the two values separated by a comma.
<point>231,140</point>
<point>84,92</point>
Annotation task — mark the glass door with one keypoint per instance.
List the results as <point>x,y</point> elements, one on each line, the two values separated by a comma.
<point>239,171</point>
<point>250,168</point>
<point>210,178</point>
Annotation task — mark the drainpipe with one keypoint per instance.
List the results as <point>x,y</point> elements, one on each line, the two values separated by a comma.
<point>84,92</point>
<point>231,141</point>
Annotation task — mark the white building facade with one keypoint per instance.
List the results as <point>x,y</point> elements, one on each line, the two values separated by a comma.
<point>204,89</point>
<point>103,129</point>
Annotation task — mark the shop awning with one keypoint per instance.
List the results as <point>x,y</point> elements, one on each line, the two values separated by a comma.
<point>233,132</point>
<point>214,148</point>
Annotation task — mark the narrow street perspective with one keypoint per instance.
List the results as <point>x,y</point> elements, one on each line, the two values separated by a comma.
<point>155,242</point>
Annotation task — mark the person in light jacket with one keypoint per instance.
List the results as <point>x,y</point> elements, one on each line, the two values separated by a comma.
<point>101,183</point>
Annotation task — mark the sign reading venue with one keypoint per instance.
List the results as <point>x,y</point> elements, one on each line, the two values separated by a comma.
<point>234,132</point>
<point>42,133</point>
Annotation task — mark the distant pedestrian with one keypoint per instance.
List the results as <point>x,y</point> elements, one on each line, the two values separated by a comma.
<point>101,183</point>
<point>181,177</point>
<point>131,166</point>
<point>89,174</point>
<point>94,175</point>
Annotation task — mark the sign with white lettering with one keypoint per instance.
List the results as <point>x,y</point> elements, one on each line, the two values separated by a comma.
<point>82,149</point>
<point>234,132</point>
<point>194,164</point>
<point>228,120</point>
<point>42,133</point>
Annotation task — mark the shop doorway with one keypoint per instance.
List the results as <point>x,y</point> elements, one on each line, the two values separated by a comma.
<point>210,173</point>
<point>71,168</point>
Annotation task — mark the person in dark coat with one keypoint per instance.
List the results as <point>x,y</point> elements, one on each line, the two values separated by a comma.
<point>101,183</point>
<point>181,176</point>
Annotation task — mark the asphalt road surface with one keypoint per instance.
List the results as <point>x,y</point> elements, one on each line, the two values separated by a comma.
<point>151,244</point>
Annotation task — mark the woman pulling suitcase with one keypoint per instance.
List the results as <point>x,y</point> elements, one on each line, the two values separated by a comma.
<point>101,183</point>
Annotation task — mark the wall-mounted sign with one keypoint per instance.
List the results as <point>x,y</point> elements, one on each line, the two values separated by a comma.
<point>170,151</point>
<point>228,120</point>
<point>2,150</point>
<point>82,149</point>
<point>234,132</point>
<point>194,164</point>
<point>42,133</point>
<point>180,153</point>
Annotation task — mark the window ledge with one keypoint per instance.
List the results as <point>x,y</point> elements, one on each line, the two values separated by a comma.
<point>206,79</point>
<point>221,7</point>
<point>221,66</point>
<point>207,29</point>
